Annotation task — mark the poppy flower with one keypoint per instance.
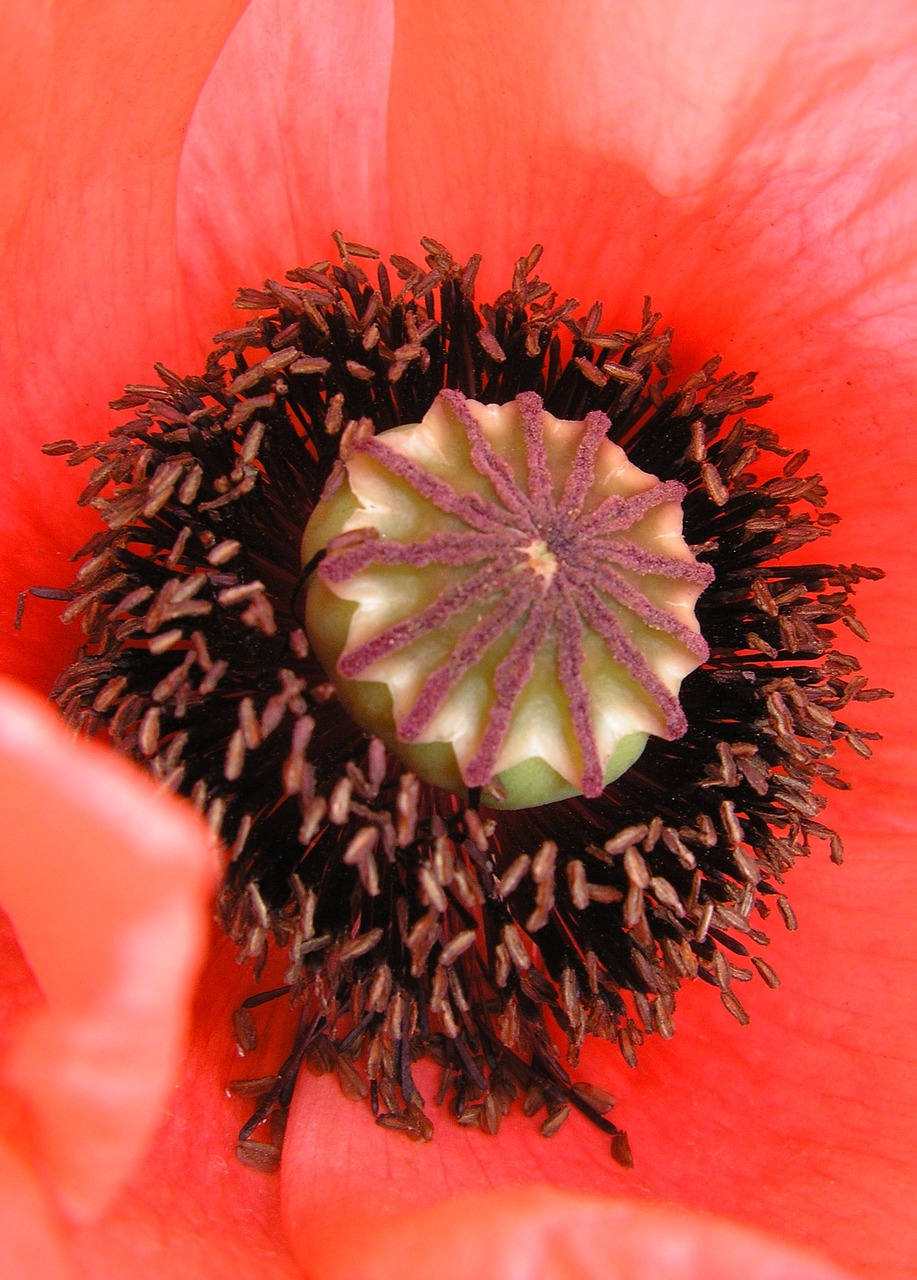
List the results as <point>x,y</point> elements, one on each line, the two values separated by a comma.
<point>758,183</point>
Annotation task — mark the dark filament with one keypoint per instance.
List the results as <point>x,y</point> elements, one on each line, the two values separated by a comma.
<point>413,925</point>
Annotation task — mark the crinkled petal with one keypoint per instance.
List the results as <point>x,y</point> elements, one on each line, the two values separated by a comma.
<point>548,1234</point>
<point>625,137</point>
<point>287,143</point>
<point>761,189</point>
<point>106,883</point>
<point>756,178</point>
<point>191,1211</point>
<point>98,96</point>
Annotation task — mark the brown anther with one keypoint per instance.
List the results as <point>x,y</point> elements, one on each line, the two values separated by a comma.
<point>415,923</point>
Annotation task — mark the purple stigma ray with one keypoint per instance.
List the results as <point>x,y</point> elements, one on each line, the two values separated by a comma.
<point>541,574</point>
<point>440,548</point>
<point>586,575</point>
<point>479,588</point>
<point>476,511</point>
<point>510,679</point>
<point>440,683</point>
<point>488,463</point>
<point>603,621</point>
<point>541,490</point>
<point>617,512</point>
<point>570,660</point>
<point>582,473</point>
<point>629,556</point>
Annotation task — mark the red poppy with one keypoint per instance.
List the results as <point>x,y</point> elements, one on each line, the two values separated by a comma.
<point>754,173</point>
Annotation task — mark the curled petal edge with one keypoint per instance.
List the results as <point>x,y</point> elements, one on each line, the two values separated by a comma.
<point>107,884</point>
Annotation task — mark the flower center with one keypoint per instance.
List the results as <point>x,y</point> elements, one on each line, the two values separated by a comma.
<point>519,588</point>
<point>541,560</point>
<point>508,601</point>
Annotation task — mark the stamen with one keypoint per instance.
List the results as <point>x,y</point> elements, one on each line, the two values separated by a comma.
<point>415,921</point>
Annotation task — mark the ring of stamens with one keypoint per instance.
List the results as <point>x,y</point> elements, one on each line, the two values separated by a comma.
<point>416,926</point>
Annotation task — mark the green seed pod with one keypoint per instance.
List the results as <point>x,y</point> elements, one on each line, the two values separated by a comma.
<point>504,599</point>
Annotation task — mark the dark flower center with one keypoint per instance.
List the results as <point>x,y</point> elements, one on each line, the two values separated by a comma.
<point>415,922</point>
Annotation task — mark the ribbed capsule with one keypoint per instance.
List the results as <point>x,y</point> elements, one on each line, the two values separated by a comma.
<point>521,591</point>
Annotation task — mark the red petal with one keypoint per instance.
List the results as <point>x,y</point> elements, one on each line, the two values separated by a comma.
<point>780,242</point>
<point>549,1234</point>
<point>32,1243</point>
<point>746,175</point>
<point>191,1211</point>
<point>91,287</point>
<point>644,135</point>
<point>287,142</point>
<point>106,884</point>
<point>786,240</point>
